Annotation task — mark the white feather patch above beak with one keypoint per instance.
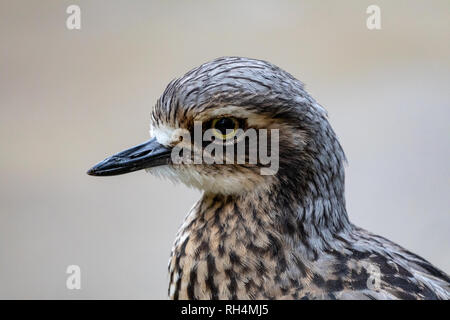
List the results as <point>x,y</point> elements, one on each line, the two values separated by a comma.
<point>163,134</point>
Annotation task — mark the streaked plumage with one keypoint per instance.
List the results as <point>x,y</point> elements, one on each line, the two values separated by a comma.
<point>286,236</point>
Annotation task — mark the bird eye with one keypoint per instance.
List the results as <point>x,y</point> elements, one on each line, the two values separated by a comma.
<point>225,128</point>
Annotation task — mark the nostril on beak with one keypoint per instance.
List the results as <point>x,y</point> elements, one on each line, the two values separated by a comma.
<point>140,154</point>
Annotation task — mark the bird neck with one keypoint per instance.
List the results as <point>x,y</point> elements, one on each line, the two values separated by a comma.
<point>311,222</point>
<point>235,245</point>
<point>268,219</point>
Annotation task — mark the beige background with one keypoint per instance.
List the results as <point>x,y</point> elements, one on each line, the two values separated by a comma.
<point>70,98</point>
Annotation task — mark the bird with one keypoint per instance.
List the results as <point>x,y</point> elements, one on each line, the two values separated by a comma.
<point>285,235</point>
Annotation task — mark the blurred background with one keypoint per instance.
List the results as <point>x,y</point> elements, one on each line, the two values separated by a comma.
<point>69,98</point>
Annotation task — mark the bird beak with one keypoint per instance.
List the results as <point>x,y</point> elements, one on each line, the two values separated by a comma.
<point>146,155</point>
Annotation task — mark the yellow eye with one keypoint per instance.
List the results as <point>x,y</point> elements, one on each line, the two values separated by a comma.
<point>225,128</point>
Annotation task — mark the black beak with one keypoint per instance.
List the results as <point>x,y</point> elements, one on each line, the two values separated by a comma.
<point>146,155</point>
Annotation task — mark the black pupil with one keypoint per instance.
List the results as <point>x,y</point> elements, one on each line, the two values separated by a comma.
<point>225,124</point>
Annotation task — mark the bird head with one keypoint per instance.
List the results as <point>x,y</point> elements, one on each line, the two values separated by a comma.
<point>232,126</point>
